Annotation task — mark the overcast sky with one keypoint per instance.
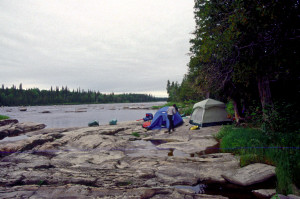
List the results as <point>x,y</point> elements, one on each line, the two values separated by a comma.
<point>103,45</point>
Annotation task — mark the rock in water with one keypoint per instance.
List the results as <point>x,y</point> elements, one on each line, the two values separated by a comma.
<point>8,121</point>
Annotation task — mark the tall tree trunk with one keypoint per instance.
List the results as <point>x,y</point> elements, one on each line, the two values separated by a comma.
<point>264,91</point>
<point>236,110</point>
<point>207,95</point>
<point>266,101</point>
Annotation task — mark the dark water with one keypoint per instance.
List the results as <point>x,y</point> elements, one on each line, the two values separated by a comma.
<point>79,115</point>
<point>228,190</point>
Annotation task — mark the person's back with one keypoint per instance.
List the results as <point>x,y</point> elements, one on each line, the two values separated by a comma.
<point>171,110</point>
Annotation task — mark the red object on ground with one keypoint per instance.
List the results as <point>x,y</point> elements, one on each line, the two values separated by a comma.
<point>146,124</point>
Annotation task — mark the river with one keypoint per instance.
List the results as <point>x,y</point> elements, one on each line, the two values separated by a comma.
<point>61,116</point>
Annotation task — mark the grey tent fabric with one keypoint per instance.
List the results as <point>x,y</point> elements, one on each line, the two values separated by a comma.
<point>209,112</point>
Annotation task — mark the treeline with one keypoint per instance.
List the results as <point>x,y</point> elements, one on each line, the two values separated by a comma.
<point>246,52</point>
<point>23,97</point>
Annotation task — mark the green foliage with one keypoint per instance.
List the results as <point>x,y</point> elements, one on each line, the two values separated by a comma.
<point>3,117</point>
<point>19,97</point>
<point>136,134</point>
<point>243,140</point>
<point>251,158</point>
<point>123,183</point>
<point>230,108</point>
<point>41,182</point>
<point>187,110</point>
<point>186,91</point>
<point>254,145</point>
<point>225,130</point>
<point>235,45</point>
<point>185,107</point>
<point>275,197</point>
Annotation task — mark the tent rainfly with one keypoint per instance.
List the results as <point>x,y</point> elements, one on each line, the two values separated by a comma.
<point>209,112</point>
<point>160,119</point>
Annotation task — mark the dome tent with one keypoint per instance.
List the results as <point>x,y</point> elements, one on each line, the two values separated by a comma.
<point>209,112</point>
<point>160,119</point>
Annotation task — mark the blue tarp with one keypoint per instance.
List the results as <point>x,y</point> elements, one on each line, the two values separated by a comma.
<point>160,119</point>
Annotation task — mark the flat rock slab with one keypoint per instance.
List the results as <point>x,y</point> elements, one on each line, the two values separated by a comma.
<point>251,174</point>
<point>8,121</point>
<point>193,146</point>
<point>80,191</point>
<point>264,193</point>
<point>15,129</point>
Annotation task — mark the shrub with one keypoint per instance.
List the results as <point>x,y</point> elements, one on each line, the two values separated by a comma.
<point>136,134</point>
<point>230,108</point>
<point>3,117</point>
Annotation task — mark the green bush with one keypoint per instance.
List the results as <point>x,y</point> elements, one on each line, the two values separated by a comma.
<point>136,134</point>
<point>243,140</point>
<point>187,110</point>
<point>230,108</point>
<point>251,158</point>
<point>183,107</point>
<point>3,117</point>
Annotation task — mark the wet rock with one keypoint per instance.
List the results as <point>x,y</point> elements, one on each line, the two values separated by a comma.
<point>30,143</point>
<point>15,129</point>
<point>264,193</point>
<point>45,112</point>
<point>251,174</point>
<point>22,109</point>
<point>29,126</point>
<point>8,121</point>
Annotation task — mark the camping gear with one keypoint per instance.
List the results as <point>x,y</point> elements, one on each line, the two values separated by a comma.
<point>209,112</point>
<point>94,123</point>
<point>194,127</point>
<point>113,122</point>
<point>149,116</point>
<point>146,124</point>
<point>160,119</point>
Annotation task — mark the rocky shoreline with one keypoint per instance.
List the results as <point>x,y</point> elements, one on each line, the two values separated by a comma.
<point>124,161</point>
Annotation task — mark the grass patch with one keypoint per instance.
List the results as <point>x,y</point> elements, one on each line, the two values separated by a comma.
<point>253,145</point>
<point>136,134</point>
<point>3,117</point>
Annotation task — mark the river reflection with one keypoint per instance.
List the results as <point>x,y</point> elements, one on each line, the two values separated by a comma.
<point>80,115</point>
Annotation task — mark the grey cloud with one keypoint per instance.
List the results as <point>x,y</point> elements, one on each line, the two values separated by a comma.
<point>107,45</point>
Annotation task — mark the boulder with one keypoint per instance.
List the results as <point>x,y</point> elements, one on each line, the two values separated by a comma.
<point>8,121</point>
<point>264,193</point>
<point>209,168</point>
<point>251,174</point>
<point>29,126</point>
<point>14,129</point>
